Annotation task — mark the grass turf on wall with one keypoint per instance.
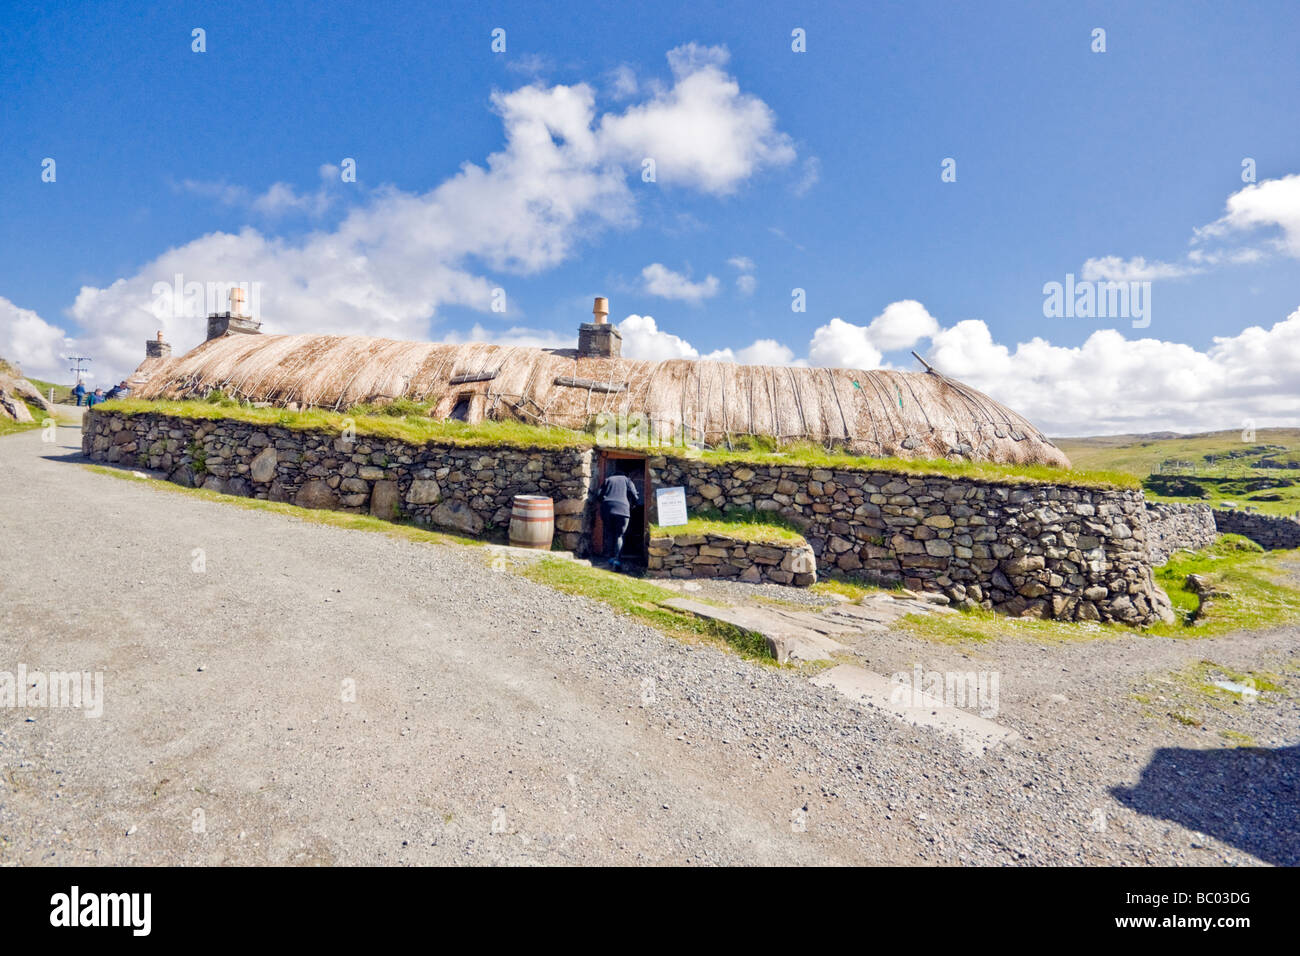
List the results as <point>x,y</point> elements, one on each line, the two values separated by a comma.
<point>417,429</point>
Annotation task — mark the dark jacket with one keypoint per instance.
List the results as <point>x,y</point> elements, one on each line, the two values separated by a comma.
<point>617,495</point>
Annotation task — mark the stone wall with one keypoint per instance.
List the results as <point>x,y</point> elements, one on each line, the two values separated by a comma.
<point>1024,550</point>
<point>716,556</point>
<point>1171,526</point>
<point>1274,532</point>
<point>469,490</point>
<point>1021,549</point>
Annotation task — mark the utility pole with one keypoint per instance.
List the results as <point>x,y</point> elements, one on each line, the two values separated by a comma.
<point>78,361</point>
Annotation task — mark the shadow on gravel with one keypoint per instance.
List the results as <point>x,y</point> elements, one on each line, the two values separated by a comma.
<point>1247,796</point>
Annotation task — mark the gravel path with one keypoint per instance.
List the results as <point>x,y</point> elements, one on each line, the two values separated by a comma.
<point>496,721</point>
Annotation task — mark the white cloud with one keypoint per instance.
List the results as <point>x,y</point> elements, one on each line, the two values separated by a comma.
<point>841,344</point>
<point>1111,384</point>
<point>1272,203</point>
<point>1137,269</point>
<point>279,199</point>
<point>809,176</point>
<point>702,132</point>
<point>642,339</point>
<point>527,338</point>
<point>1107,385</point>
<point>761,352</point>
<point>667,284</point>
<point>743,263</point>
<point>32,343</point>
<point>746,284</point>
<point>623,83</point>
<point>392,263</point>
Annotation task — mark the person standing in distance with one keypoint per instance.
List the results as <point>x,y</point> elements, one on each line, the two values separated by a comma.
<point>617,496</point>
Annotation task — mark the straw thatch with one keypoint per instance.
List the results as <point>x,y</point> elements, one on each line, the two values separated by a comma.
<point>878,413</point>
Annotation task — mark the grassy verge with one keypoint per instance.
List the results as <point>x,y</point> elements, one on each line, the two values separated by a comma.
<point>1261,595</point>
<point>414,429</point>
<point>743,525</point>
<point>812,455</point>
<point>336,519</point>
<point>640,600</point>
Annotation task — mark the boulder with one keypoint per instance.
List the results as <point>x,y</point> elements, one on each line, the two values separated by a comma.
<point>262,468</point>
<point>457,516</point>
<point>316,494</point>
<point>423,491</point>
<point>385,501</point>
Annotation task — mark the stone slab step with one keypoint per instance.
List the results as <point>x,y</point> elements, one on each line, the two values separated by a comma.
<point>786,639</point>
<point>976,734</point>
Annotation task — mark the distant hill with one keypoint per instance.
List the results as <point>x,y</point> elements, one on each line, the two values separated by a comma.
<point>1221,467</point>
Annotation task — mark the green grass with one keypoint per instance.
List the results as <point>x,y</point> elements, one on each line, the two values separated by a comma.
<point>812,455</point>
<point>62,393</point>
<point>1262,592</point>
<point>742,525</point>
<point>1222,464</point>
<point>336,519</point>
<point>641,600</point>
<point>412,429</point>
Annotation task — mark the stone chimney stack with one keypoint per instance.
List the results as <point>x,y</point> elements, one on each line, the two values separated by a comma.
<point>157,348</point>
<point>234,321</point>
<point>597,338</point>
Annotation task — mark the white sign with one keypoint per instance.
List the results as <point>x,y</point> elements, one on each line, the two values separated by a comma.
<point>671,505</point>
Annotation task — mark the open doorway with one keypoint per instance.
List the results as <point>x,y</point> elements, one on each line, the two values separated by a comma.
<point>637,538</point>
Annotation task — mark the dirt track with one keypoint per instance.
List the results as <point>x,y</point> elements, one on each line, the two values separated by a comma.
<point>497,721</point>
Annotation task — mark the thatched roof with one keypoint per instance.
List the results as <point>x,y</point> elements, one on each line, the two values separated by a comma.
<point>879,413</point>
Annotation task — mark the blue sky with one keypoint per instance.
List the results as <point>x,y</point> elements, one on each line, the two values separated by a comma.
<point>775,170</point>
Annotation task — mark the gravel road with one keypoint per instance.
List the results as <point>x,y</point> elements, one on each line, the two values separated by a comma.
<point>496,721</point>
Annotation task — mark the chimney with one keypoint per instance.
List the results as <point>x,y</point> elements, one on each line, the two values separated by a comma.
<point>599,339</point>
<point>234,321</point>
<point>157,348</point>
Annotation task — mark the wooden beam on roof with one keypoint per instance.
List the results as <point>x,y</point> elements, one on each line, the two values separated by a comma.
<point>591,384</point>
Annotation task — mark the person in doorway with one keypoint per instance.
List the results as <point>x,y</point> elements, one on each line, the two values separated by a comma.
<point>79,392</point>
<point>617,497</point>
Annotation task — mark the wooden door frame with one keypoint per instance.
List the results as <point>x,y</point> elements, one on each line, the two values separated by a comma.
<point>604,455</point>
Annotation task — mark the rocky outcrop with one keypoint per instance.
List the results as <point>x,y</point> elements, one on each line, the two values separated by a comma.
<point>716,556</point>
<point>16,394</point>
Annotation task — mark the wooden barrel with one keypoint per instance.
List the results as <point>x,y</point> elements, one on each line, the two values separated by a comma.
<point>532,522</point>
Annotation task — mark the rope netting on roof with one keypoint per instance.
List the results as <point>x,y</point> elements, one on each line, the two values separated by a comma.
<point>879,413</point>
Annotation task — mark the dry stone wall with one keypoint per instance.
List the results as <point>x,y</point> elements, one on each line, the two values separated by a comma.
<point>716,556</point>
<point>1274,532</point>
<point>467,490</point>
<point>1021,549</point>
<point>1024,550</point>
<point>1171,526</point>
